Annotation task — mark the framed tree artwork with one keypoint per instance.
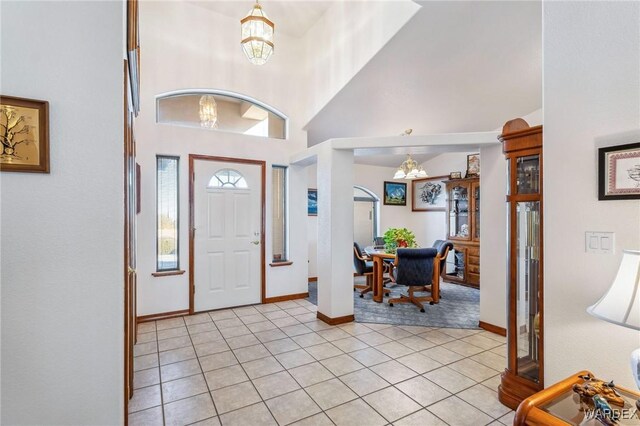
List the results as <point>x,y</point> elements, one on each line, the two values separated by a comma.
<point>24,133</point>
<point>395,194</point>
<point>428,194</point>
<point>619,172</point>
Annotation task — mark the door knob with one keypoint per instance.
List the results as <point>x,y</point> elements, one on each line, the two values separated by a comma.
<point>255,242</point>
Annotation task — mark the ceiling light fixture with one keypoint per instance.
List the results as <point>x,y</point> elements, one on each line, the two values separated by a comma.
<point>257,35</point>
<point>208,112</point>
<point>410,169</point>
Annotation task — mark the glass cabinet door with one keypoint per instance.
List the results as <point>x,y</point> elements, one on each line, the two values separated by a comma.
<point>455,262</point>
<point>528,174</point>
<point>527,289</point>
<point>475,189</point>
<point>459,223</point>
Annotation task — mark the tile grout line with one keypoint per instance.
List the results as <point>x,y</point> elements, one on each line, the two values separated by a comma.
<point>343,352</point>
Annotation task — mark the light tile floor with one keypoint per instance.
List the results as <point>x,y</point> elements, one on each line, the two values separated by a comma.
<point>276,364</point>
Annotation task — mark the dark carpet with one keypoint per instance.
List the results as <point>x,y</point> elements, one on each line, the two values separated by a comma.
<point>459,307</point>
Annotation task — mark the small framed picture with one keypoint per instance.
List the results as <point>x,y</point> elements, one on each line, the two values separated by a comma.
<point>395,194</point>
<point>312,202</point>
<point>455,175</point>
<point>619,172</point>
<point>473,165</point>
<point>24,127</point>
<point>428,194</point>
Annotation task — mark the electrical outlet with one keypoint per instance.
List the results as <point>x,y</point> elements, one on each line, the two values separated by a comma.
<point>600,242</point>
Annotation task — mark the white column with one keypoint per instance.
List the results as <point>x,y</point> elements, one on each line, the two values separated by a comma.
<point>335,232</point>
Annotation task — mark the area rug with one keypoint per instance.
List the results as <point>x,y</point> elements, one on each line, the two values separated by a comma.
<point>459,307</point>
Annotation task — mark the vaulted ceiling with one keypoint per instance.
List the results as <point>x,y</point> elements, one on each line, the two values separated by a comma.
<point>454,67</point>
<point>293,18</point>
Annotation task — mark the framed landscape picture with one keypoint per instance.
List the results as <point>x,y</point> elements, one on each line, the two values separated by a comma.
<point>24,132</point>
<point>428,194</point>
<point>619,172</point>
<point>312,202</point>
<point>395,194</point>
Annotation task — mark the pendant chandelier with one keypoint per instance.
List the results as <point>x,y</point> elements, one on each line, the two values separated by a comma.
<point>208,112</point>
<point>257,35</point>
<point>410,169</point>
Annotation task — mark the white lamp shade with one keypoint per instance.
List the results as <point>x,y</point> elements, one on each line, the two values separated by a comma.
<point>621,303</point>
<point>399,174</point>
<point>413,174</point>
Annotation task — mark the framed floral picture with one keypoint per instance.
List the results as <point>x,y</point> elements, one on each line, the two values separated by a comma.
<point>619,172</point>
<point>395,194</point>
<point>24,133</point>
<point>428,194</point>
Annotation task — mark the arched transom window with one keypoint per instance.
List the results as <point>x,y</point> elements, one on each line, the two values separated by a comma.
<point>220,110</point>
<point>228,178</point>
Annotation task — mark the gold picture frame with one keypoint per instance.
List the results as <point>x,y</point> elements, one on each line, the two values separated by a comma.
<point>24,135</point>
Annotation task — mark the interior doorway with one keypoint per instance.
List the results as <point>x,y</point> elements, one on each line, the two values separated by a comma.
<point>227,232</point>
<point>366,224</point>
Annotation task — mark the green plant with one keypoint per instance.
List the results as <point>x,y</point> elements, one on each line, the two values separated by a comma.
<point>396,238</point>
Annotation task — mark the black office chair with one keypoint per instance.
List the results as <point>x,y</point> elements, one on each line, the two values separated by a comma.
<point>363,266</point>
<point>419,269</point>
<point>443,248</point>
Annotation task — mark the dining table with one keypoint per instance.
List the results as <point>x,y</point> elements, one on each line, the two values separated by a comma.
<point>378,255</point>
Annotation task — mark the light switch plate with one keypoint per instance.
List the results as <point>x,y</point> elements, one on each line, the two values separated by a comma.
<point>600,242</point>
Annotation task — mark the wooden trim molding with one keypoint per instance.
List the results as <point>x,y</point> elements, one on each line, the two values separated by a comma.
<point>315,279</point>
<point>167,273</point>
<point>161,315</point>
<point>263,220</point>
<point>335,321</point>
<point>286,297</point>
<point>276,264</point>
<point>493,328</point>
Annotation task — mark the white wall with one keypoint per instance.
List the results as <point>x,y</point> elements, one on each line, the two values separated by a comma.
<point>372,178</point>
<point>591,99</point>
<point>62,243</point>
<point>188,56</point>
<point>343,40</point>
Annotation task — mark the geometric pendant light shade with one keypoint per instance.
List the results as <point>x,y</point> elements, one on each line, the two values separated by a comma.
<point>257,35</point>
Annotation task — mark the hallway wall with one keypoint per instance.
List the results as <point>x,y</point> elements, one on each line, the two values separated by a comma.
<point>62,232</point>
<point>592,86</point>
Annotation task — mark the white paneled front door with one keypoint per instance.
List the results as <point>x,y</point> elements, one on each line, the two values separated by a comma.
<point>228,228</point>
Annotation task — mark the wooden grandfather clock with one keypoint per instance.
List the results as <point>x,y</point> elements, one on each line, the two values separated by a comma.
<point>522,146</point>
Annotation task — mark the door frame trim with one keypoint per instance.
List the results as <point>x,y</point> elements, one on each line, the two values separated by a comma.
<point>263,197</point>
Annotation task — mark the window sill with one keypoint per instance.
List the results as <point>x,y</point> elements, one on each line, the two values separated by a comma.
<point>276,264</point>
<point>167,273</point>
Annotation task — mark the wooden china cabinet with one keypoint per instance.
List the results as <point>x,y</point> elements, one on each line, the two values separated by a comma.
<point>463,230</point>
<point>522,146</point>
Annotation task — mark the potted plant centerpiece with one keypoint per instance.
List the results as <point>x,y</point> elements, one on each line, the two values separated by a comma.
<point>396,238</point>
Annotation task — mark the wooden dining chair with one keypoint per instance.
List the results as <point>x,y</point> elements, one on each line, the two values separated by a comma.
<point>363,266</point>
<point>443,248</point>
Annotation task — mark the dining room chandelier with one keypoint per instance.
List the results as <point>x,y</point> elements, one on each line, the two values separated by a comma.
<point>410,169</point>
<point>257,35</point>
<point>208,112</point>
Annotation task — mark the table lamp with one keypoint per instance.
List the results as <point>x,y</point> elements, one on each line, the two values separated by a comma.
<point>621,303</point>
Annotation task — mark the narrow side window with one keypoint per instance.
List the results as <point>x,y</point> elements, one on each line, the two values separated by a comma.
<point>167,213</point>
<point>279,203</point>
